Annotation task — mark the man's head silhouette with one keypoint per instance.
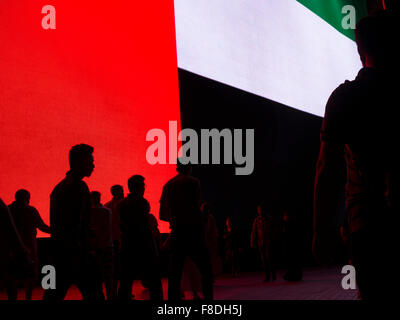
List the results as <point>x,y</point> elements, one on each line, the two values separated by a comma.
<point>136,185</point>
<point>183,168</point>
<point>22,197</point>
<point>81,160</point>
<point>117,191</point>
<point>375,41</point>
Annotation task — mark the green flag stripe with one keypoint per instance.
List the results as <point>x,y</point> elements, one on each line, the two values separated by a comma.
<point>331,12</point>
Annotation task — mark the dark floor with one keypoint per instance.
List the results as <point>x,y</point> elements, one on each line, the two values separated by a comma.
<point>317,284</point>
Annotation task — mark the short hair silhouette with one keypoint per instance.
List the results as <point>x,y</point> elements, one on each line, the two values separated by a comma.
<point>116,189</point>
<point>182,167</point>
<point>374,36</point>
<point>79,152</point>
<point>135,183</point>
<point>96,197</point>
<point>22,195</point>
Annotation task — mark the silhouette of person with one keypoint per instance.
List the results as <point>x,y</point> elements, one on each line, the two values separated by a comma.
<point>291,236</point>
<point>101,243</point>
<point>191,280</point>
<point>139,254</point>
<point>70,233</point>
<point>263,236</point>
<point>232,247</point>
<point>180,206</point>
<point>360,133</point>
<point>155,231</point>
<point>11,248</point>
<point>153,223</point>
<point>27,219</point>
<point>117,192</point>
<point>211,231</point>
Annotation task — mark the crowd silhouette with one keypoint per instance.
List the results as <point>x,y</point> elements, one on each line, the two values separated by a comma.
<point>114,244</point>
<point>117,243</point>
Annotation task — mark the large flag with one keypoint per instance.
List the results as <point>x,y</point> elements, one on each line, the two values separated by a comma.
<point>293,52</point>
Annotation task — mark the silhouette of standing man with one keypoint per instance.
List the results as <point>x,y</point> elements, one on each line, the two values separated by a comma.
<point>265,231</point>
<point>360,132</point>
<point>139,254</point>
<point>117,192</point>
<point>101,244</point>
<point>180,206</point>
<point>69,224</point>
<point>27,219</point>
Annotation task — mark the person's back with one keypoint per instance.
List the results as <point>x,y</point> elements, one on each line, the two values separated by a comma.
<point>211,236</point>
<point>4,233</point>
<point>211,231</point>
<point>117,192</point>
<point>115,219</point>
<point>69,214</point>
<point>153,223</point>
<point>182,196</point>
<point>180,206</point>
<point>100,227</point>
<point>360,128</point>
<point>139,254</point>
<point>135,228</point>
<point>361,115</point>
<point>27,220</point>
<point>11,247</point>
<point>10,240</point>
<point>101,244</point>
<point>69,225</point>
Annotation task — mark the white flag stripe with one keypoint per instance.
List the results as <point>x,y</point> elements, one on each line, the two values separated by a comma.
<point>279,50</point>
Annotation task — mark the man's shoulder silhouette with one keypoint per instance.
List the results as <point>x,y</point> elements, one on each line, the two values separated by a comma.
<point>135,204</point>
<point>357,106</point>
<point>181,178</point>
<point>69,201</point>
<point>182,186</point>
<point>109,204</point>
<point>346,92</point>
<point>68,184</point>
